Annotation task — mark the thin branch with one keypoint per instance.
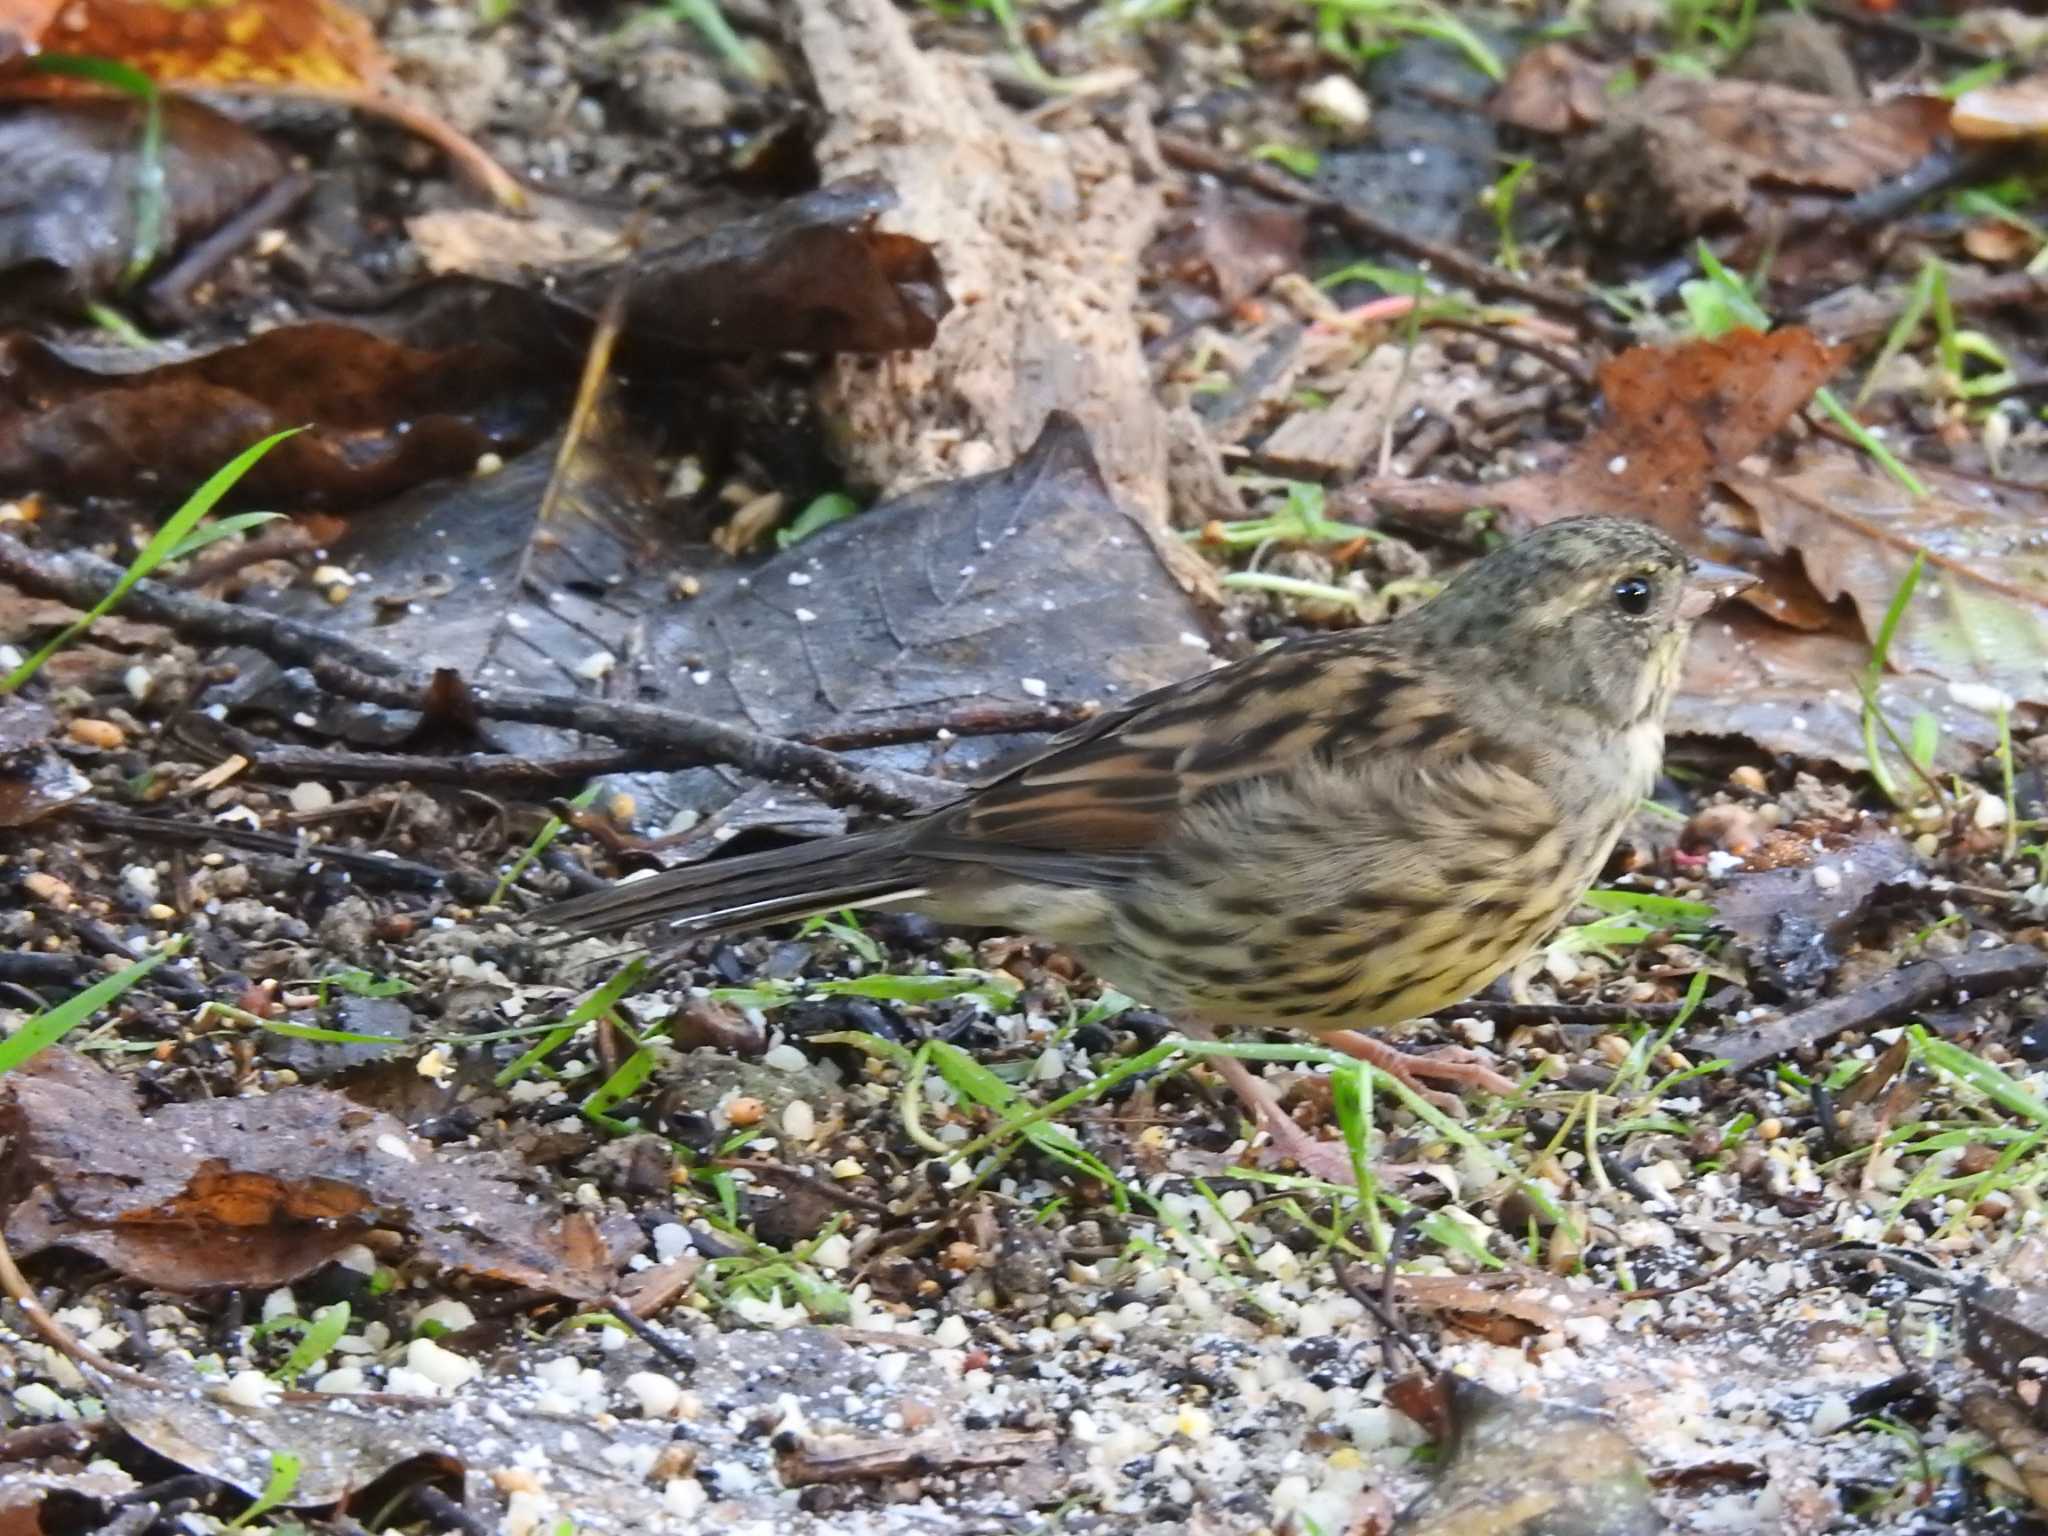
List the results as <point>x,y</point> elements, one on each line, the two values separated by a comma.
<point>358,671</point>
<point>1581,312</point>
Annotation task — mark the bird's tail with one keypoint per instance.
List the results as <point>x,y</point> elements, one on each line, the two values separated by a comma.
<point>749,891</point>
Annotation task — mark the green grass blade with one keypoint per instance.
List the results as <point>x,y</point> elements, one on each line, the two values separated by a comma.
<point>162,545</point>
<point>46,1029</point>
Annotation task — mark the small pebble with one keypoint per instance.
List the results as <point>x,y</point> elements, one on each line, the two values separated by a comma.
<point>104,734</point>
<point>799,1120</point>
<point>310,796</point>
<point>745,1110</point>
<point>47,889</point>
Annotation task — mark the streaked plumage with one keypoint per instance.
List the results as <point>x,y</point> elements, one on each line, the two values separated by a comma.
<point>1344,830</point>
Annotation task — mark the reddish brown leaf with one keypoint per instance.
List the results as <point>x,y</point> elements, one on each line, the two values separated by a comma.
<point>1796,693</point>
<point>279,43</point>
<point>383,416</point>
<point>320,48</point>
<point>259,1191</point>
<point>1799,139</point>
<point>1979,613</point>
<point>1673,417</point>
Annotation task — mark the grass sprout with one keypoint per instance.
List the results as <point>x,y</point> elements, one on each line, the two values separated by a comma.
<point>1721,302</point>
<point>594,1006</point>
<point>181,535</point>
<point>711,24</point>
<point>46,1029</point>
<point>151,196</point>
<point>1499,200</point>
<point>551,829</point>
<point>1302,519</point>
<point>285,1467</point>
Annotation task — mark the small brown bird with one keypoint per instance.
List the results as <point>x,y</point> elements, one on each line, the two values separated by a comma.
<point>1347,830</point>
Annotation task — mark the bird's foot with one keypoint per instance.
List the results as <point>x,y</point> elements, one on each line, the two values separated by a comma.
<point>1450,1064</point>
<point>1314,1157</point>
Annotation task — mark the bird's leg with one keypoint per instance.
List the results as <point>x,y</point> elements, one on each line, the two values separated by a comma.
<point>1452,1064</point>
<point>1327,1160</point>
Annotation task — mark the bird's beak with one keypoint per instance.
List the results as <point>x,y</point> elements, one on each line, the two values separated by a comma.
<point>1708,583</point>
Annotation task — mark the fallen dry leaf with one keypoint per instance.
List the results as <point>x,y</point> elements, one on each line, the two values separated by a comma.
<point>1798,139</point>
<point>1979,613</point>
<point>1779,135</point>
<point>1796,693</point>
<point>318,48</point>
<point>1672,418</point>
<point>259,1191</point>
<point>815,273</point>
<point>1554,88</point>
<point>2015,109</point>
<point>67,180</point>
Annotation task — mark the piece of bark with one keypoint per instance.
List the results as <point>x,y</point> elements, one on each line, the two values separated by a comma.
<point>1040,237</point>
<point>1883,1002</point>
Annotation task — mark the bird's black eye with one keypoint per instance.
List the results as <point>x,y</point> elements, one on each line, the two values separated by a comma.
<point>1632,595</point>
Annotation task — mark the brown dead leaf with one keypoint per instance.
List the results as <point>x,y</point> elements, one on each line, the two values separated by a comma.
<point>815,273</point>
<point>2015,109</point>
<point>317,48</point>
<point>383,416</point>
<point>259,1191</point>
<point>1780,135</point>
<point>1979,613</point>
<point>1554,89</point>
<point>34,780</point>
<point>1672,417</point>
<point>1798,139</point>
<point>1796,693</point>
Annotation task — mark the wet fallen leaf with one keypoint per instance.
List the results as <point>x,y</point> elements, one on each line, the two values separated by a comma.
<point>259,1191</point>
<point>1024,584</point>
<point>2002,1326</point>
<point>67,189</point>
<point>380,416</point>
<point>2013,109</point>
<point>815,273</point>
<point>1979,614</point>
<point>1008,589</point>
<point>34,780</point>
<point>1518,1467</point>
<point>63,1497</point>
<point>1672,418</point>
<point>1797,694</point>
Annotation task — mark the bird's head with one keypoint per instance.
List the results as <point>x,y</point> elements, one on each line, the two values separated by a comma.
<point>1591,614</point>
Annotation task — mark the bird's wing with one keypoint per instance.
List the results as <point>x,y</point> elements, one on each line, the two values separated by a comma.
<point>1102,796</point>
